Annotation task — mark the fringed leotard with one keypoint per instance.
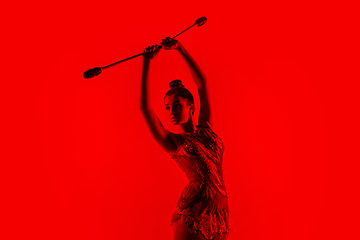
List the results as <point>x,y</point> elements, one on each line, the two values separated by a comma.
<point>203,203</point>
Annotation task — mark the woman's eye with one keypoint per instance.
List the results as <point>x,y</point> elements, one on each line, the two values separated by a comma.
<point>167,108</point>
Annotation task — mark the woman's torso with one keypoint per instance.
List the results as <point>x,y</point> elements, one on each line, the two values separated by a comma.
<point>203,202</point>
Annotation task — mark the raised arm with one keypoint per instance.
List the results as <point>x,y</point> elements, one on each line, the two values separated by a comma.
<point>163,137</point>
<point>205,115</point>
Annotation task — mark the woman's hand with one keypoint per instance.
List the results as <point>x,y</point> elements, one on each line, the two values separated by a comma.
<point>151,51</point>
<point>169,44</point>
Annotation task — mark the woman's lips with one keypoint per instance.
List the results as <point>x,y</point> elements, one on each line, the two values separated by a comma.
<point>173,118</point>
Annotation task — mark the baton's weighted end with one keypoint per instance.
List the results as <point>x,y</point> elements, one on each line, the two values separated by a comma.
<point>92,72</point>
<point>201,21</point>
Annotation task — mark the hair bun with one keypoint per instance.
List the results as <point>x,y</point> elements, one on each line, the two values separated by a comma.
<point>176,83</point>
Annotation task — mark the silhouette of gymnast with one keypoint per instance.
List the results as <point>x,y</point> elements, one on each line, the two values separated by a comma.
<point>202,211</point>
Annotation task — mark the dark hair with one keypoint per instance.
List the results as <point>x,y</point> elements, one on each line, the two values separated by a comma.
<point>179,89</point>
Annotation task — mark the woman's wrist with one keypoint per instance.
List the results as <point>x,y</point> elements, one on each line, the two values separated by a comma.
<point>180,48</point>
<point>146,60</point>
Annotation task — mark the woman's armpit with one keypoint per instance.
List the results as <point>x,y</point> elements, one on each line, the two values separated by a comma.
<point>174,143</point>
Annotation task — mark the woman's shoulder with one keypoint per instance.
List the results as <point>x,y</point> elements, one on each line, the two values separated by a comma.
<point>209,131</point>
<point>205,125</point>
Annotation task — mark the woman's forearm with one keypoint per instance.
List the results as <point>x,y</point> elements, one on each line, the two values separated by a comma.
<point>195,71</point>
<point>144,95</point>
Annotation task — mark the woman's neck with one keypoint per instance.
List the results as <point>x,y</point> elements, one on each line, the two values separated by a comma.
<point>188,127</point>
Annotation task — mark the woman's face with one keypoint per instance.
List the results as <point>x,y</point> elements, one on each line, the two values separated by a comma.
<point>177,109</point>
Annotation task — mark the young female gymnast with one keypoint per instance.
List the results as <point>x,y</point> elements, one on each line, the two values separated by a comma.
<point>202,211</point>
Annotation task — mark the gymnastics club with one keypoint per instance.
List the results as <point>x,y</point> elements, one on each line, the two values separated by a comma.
<point>96,71</point>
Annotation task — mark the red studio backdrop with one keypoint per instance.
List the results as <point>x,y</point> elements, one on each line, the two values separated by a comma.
<point>79,162</point>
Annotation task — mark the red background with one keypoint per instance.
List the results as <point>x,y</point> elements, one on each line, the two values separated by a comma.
<point>78,161</point>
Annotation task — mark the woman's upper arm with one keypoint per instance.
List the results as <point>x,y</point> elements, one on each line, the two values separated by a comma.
<point>160,134</point>
<point>205,115</point>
